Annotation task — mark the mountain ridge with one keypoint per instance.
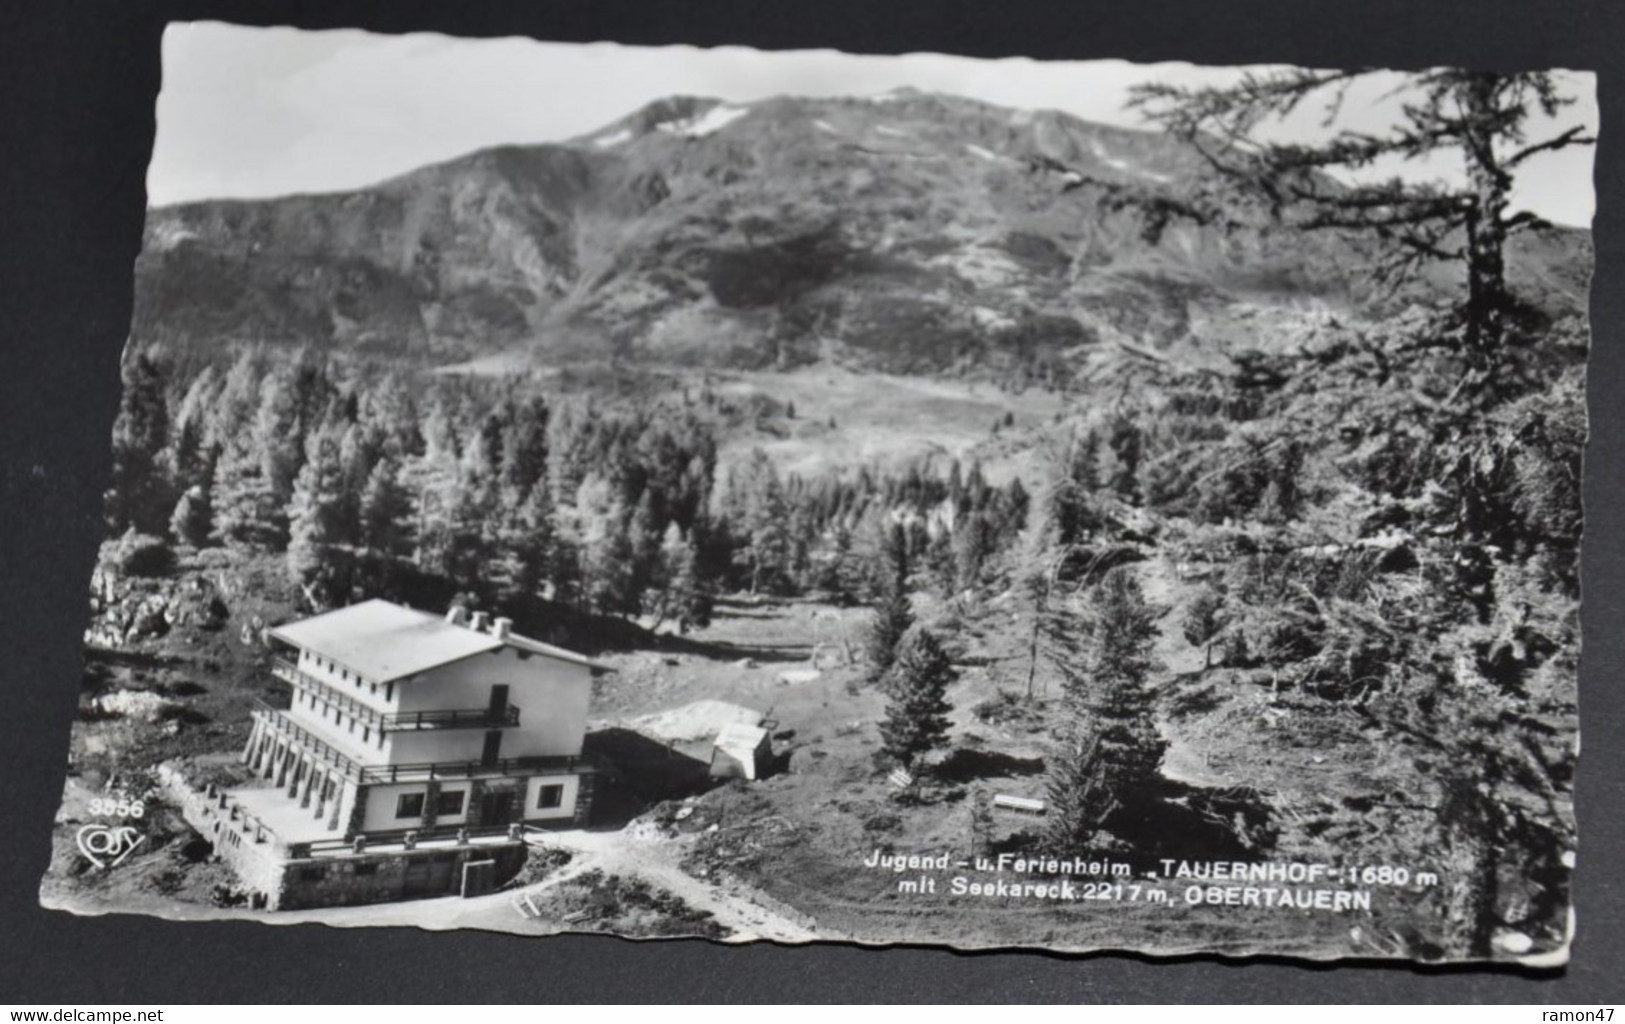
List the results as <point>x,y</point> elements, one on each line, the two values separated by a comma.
<point>911,232</point>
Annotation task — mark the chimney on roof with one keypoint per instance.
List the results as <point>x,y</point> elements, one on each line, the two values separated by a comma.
<point>500,627</point>
<point>456,615</point>
<point>476,621</point>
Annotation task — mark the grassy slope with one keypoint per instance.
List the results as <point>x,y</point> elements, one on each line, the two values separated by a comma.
<point>801,835</point>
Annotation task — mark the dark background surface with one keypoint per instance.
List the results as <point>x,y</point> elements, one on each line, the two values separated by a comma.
<point>77,89</point>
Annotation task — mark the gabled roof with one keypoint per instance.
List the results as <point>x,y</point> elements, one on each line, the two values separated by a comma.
<point>385,641</point>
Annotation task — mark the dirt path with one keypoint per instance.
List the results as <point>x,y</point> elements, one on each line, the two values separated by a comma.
<point>654,859</point>
<point>626,853</point>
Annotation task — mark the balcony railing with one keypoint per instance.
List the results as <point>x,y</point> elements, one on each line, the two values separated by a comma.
<point>476,718</point>
<point>468,769</point>
<point>279,722</point>
<point>404,721</point>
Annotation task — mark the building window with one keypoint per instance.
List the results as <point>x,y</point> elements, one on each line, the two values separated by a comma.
<point>372,688</point>
<point>366,734</point>
<point>550,797</point>
<point>389,691</point>
<point>450,803</point>
<point>409,805</point>
<point>312,874</point>
<point>367,869</point>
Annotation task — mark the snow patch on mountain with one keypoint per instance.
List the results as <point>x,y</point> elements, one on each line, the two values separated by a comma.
<point>710,122</point>
<point>613,138</point>
<point>1119,164</point>
<point>168,236</point>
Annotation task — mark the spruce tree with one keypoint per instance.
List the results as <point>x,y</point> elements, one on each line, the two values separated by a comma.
<point>1204,618</point>
<point>1111,751</point>
<point>645,535</point>
<point>1127,445</point>
<point>524,544</point>
<point>189,463</point>
<point>894,612</point>
<point>916,720</point>
<point>972,545</point>
<point>767,523</point>
<point>292,403</point>
<point>684,593</point>
<point>1079,801</point>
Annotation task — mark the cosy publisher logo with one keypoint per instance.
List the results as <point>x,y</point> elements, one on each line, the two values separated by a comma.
<point>106,846</point>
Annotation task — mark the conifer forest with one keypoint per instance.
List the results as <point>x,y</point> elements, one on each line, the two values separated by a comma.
<point>1164,503</point>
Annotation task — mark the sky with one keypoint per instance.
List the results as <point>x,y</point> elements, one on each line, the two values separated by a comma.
<point>257,112</point>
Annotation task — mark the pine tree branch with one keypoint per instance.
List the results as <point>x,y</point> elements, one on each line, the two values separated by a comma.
<point>1525,220</point>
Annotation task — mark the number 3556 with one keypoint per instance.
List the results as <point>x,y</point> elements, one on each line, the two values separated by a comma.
<point>118,807</point>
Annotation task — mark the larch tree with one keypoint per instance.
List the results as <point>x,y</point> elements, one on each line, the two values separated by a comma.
<point>605,552</point>
<point>318,557</point>
<point>246,514</point>
<point>384,514</point>
<point>1483,118</point>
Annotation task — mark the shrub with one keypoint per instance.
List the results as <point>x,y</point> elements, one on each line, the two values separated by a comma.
<point>141,554</point>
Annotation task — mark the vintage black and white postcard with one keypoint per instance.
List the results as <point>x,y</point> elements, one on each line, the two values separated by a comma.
<point>798,496</point>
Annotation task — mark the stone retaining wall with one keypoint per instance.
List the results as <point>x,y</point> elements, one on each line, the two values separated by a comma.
<point>280,881</point>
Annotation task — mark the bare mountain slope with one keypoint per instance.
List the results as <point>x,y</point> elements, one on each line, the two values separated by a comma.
<point>911,233</point>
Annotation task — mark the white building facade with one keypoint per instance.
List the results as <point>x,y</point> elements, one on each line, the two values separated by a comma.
<point>405,724</point>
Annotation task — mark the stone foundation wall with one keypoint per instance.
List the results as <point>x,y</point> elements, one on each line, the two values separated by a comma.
<point>385,877</point>
<point>281,882</point>
<point>250,852</point>
<point>587,787</point>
